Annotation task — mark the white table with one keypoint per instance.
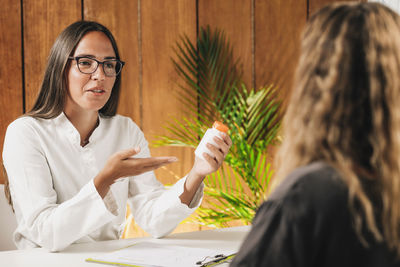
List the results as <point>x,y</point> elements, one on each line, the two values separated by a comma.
<point>75,255</point>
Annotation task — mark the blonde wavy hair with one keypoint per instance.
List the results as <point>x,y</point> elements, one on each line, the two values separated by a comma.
<point>345,110</point>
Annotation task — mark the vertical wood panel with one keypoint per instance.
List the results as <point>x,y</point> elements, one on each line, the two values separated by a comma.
<point>11,70</point>
<point>163,22</point>
<point>43,22</point>
<point>278,26</point>
<point>233,17</point>
<point>121,18</point>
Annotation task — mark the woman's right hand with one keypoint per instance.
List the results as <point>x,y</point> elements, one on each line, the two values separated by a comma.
<point>121,164</point>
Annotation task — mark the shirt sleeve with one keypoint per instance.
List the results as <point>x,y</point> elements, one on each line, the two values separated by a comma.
<point>41,219</point>
<point>156,209</point>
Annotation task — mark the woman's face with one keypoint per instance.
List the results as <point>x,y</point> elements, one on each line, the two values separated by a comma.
<point>90,92</point>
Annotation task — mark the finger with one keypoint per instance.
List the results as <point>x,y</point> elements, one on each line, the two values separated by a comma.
<point>137,166</point>
<point>159,160</point>
<point>149,162</point>
<point>211,160</point>
<point>154,166</point>
<point>218,154</point>
<point>215,150</point>
<point>226,139</point>
<point>124,154</point>
<point>222,146</point>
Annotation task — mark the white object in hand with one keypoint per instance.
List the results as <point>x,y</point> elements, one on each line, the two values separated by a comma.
<point>208,137</point>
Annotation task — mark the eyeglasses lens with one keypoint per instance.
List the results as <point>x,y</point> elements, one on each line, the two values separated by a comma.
<point>88,66</point>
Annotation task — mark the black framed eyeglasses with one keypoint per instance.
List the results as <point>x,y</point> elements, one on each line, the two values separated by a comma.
<point>88,65</point>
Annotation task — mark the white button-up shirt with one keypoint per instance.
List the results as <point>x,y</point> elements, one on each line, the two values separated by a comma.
<point>52,189</point>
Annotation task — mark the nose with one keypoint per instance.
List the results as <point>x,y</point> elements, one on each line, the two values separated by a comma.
<point>99,73</point>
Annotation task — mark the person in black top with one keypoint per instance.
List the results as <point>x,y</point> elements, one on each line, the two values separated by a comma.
<point>337,198</point>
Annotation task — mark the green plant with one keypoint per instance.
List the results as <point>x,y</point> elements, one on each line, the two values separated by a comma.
<point>212,89</point>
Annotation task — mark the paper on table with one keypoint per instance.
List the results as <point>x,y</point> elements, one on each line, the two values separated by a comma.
<point>148,254</point>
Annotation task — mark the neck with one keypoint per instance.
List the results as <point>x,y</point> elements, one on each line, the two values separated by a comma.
<point>84,122</point>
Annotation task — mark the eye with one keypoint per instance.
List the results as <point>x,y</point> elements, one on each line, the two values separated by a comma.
<point>109,64</point>
<point>85,62</point>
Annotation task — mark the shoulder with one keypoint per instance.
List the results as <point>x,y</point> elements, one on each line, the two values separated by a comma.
<point>125,128</point>
<point>24,133</point>
<point>120,121</point>
<point>317,186</point>
<point>25,124</point>
<point>22,121</point>
<point>315,178</point>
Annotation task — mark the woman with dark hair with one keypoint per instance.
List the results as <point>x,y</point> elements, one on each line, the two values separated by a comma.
<point>65,159</point>
<point>339,201</point>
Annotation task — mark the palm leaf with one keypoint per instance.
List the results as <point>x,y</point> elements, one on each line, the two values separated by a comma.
<point>211,89</point>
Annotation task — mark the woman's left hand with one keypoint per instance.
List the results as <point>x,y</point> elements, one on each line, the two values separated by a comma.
<point>203,167</point>
<point>208,165</point>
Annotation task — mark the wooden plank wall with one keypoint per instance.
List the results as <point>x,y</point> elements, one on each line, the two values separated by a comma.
<point>264,34</point>
<point>11,77</point>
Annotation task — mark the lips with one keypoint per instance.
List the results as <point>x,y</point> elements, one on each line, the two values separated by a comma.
<point>96,90</point>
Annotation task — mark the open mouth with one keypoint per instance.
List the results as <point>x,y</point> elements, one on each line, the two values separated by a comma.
<point>97,91</point>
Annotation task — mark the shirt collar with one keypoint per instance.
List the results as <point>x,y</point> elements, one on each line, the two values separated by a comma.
<point>63,123</point>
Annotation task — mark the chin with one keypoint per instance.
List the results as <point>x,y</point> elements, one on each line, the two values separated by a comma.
<point>94,108</point>
<point>96,105</point>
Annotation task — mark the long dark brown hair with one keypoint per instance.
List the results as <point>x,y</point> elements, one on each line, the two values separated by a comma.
<point>345,110</point>
<point>53,90</point>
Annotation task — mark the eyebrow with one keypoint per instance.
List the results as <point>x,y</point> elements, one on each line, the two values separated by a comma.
<point>93,56</point>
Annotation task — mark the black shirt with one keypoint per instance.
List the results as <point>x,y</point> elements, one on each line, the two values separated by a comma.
<point>306,222</point>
